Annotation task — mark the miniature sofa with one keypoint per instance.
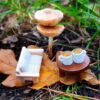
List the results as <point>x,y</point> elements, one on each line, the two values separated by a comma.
<point>28,67</point>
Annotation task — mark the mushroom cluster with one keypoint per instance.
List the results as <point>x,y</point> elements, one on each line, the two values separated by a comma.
<point>47,19</point>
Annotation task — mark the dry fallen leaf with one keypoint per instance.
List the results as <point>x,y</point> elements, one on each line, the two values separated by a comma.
<point>48,74</point>
<point>7,66</point>
<point>10,39</point>
<point>11,23</point>
<point>68,80</point>
<point>89,77</point>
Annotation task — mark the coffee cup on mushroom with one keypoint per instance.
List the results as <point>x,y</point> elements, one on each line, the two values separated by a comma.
<point>50,32</point>
<point>48,16</point>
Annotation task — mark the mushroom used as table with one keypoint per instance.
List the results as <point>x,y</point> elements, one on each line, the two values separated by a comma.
<point>48,16</point>
<point>50,32</point>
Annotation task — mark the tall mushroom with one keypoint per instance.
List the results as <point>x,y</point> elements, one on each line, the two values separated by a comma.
<point>50,32</point>
<point>48,18</point>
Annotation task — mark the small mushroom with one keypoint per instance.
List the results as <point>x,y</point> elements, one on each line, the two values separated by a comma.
<point>50,31</point>
<point>48,16</point>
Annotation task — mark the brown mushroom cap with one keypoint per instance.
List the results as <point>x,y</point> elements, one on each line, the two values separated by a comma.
<point>48,16</point>
<point>50,31</point>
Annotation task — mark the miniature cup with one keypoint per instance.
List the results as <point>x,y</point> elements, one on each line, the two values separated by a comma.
<point>78,55</point>
<point>66,58</point>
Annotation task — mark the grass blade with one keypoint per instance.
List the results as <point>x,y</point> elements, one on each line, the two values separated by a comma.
<point>98,62</point>
<point>92,38</point>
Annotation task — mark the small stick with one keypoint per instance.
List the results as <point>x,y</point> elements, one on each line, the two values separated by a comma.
<point>92,89</point>
<point>70,95</point>
<point>94,63</point>
<point>90,50</point>
<point>28,39</point>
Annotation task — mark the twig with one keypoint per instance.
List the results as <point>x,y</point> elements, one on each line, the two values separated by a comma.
<point>94,63</point>
<point>50,92</point>
<point>23,37</point>
<point>78,97</point>
<point>74,33</point>
<point>90,50</point>
<point>28,39</point>
<point>14,32</point>
<point>92,89</point>
<point>53,58</point>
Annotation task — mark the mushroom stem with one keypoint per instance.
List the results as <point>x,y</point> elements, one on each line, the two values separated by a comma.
<point>50,46</point>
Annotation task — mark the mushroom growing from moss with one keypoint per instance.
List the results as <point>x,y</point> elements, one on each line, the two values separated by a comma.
<point>48,16</point>
<point>50,31</point>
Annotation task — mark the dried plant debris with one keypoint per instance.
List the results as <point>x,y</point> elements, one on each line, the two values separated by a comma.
<point>10,39</point>
<point>78,40</point>
<point>65,2</point>
<point>7,66</point>
<point>90,77</point>
<point>11,23</point>
<point>25,26</point>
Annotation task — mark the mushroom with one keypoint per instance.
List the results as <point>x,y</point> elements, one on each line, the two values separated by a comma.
<point>50,31</point>
<point>48,16</point>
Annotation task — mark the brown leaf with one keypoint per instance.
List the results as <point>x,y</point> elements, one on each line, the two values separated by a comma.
<point>48,74</point>
<point>69,79</point>
<point>25,27</point>
<point>89,77</point>
<point>8,66</point>
<point>11,23</point>
<point>10,39</point>
<point>12,81</point>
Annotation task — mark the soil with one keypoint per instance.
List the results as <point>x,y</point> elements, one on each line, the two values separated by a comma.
<point>62,42</point>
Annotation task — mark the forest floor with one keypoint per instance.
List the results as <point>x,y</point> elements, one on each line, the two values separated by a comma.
<point>26,34</point>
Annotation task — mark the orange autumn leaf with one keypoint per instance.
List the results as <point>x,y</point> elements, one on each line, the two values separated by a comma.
<point>8,66</point>
<point>48,74</point>
<point>68,79</point>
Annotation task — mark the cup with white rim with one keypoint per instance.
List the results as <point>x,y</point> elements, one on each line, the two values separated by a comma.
<point>66,58</point>
<point>78,55</point>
